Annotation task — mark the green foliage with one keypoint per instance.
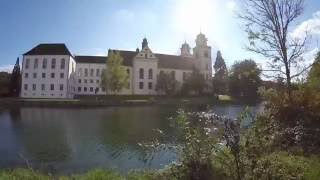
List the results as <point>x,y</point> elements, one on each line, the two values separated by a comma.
<point>295,120</point>
<point>115,77</point>
<point>4,83</point>
<point>100,174</point>
<point>166,83</point>
<point>244,79</point>
<point>314,74</point>
<point>195,82</point>
<point>15,80</point>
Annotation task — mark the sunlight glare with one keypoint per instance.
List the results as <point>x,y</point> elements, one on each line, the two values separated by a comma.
<point>191,16</point>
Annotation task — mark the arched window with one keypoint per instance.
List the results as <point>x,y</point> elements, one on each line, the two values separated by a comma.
<point>141,73</point>
<point>150,74</point>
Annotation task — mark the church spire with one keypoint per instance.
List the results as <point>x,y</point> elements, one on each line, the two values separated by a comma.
<point>144,43</point>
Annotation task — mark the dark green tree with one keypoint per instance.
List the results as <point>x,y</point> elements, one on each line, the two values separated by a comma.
<point>314,74</point>
<point>166,83</point>
<point>15,80</point>
<point>219,81</point>
<point>244,79</point>
<point>195,82</point>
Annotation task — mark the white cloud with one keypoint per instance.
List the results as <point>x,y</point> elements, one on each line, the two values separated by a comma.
<point>310,55</point>
<point>6,68</point>
<point>231,5</point>
<point>312,26</point>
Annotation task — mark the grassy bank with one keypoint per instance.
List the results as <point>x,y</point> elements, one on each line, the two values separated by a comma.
<point>121,100</point>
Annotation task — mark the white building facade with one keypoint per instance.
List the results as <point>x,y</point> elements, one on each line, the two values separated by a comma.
<point>51,71</point>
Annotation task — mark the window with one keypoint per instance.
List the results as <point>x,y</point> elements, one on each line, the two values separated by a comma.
<point>150,85</point>
<point>79,89</point>
<point>98,72</point>
<point>53,63</point>
<point>63,62</point>
<point>34,87</point>
<point>91,89</point>
<point>43,75</point>
<point>150,74</point>
<point>86,72</point>
<point>34,75</point>
<point>35,65</point>
<point>27,63</point>
<point>140,85</point>
<point>85,81</point>
<point>61,87</point>
<point>85,89</point>
<point>98,81</point>
<point>43,87</point>
<point>51,87</point>
<point>91,80</point>
<point>141,73</point>
<point>44,63</point>
<point>25,86</point>
<point>26,75</point>
<point>52,75</point>
<point>128,72</point>
<point>91,72</point>
<point>146,55</point>
<point>103,89</point>
<point>80,72</point>
<point>161,72</point>
<point>61,75</point>
<point>184,75</point>
<point>79,81</point>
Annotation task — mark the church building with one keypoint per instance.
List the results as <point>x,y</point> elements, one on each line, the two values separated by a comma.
<point>51,71</point>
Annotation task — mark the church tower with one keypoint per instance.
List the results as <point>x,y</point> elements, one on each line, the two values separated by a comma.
<point>185,50</point>
<point>202,54</point>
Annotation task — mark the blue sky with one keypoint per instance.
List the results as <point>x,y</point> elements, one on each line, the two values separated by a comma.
<point>91,27</point>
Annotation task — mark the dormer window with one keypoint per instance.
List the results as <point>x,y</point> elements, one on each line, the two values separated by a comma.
<point>146,55</point>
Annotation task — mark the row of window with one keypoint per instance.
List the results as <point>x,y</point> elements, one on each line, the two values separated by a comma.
<point>43,87</point>
<point>91,89</point>
<point>43,75</point>
<point>90,80</point>
<point>92,73</point>
<point>45,63</point>
<point>141,85</point>
<point>141,73</point>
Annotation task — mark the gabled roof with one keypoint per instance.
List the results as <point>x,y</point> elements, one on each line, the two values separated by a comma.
<point>91,59</point>
<point>175,62</point>
<point>127,56</point>
<point>49,49</point>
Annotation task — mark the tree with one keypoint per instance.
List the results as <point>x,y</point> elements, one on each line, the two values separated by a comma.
<point>195,82</point>
<point>166,83</point>
<point>219,81</point>
<point>314,74</point>
<point>15,80</point>
<point>244,79</point>
<point>267,24</point>
<point>115,77</point>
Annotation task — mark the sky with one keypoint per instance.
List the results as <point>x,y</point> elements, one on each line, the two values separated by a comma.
<point>91,27</point>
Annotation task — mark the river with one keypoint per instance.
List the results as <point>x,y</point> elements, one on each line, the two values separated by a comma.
<point>74,140</point>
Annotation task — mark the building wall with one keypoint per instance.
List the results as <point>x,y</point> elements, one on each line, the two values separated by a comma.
<point>90,83</point>
<point>34,82</point>
<point>148,84</point>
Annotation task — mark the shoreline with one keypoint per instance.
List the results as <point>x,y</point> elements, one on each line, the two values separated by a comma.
<point>113,101</point>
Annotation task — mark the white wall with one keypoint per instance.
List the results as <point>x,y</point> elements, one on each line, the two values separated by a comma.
<point>48,80</point>
<point>146,63</point>
<point>93,83</point>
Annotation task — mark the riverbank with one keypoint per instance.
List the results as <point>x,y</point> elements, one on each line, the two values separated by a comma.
<point>96,101</point>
